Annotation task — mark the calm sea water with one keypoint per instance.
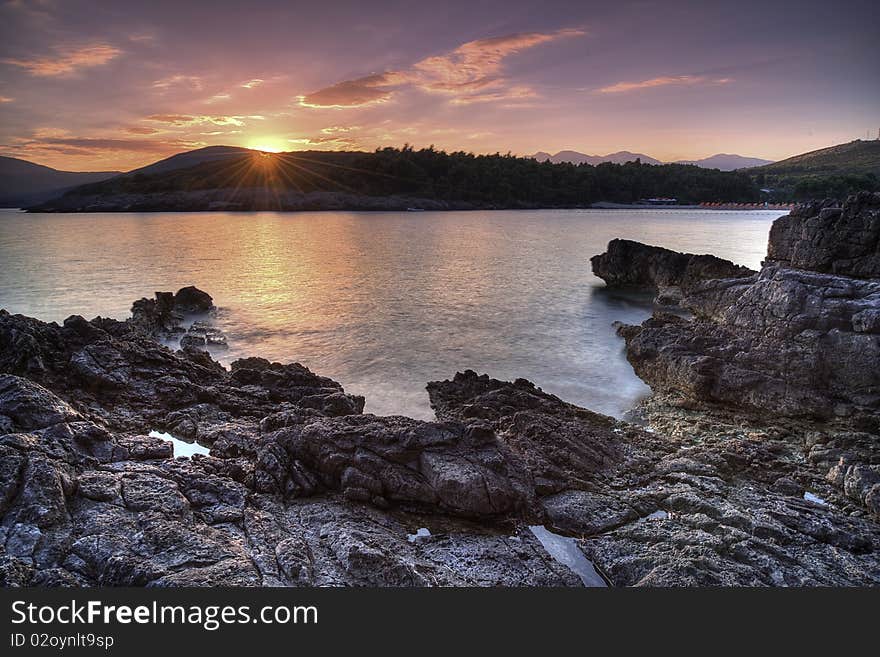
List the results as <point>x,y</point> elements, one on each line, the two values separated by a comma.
<point>381,302</point>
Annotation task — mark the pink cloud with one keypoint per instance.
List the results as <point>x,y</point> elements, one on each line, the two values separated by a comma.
<point>354,93</point>
<point>191,81</point>
<point>67,60</point>
<point>471,73</point>
<point>663,81</point>
<point>141,130</point>
<point>183,120</point>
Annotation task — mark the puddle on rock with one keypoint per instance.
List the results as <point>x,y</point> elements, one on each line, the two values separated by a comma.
<point>659,514</point>
<point>421,532</point>
<point>181,447</point>
<point>566,551</point>
<point>815,499</point>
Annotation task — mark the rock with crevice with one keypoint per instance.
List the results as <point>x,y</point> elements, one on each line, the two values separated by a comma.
<point>825,236</point>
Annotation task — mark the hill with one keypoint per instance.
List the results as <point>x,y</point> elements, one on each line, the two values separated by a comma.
<point>727,162</point>
<point>25,183</point>
<point>392,178</point>
<point>191,158</point>
<point>573,157</point>
<point>854,157</point>
<point>722,161</point>
<point>835,172</point>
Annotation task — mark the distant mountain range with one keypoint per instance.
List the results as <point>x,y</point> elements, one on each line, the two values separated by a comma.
<point>727,162</point>
<point>573,157</point>
<point>26,183</point>
<point>723,161</point>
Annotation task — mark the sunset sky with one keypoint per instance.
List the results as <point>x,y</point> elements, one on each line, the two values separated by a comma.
<point>115,85</point>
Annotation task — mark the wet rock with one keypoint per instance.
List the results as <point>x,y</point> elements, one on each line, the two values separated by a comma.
<point>189,340</point>
<point>193,300</point>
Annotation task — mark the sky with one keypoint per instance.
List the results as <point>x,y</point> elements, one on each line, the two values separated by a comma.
<point>94,85</point>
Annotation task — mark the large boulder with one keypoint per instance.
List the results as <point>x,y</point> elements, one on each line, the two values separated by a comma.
<point>193,300</point>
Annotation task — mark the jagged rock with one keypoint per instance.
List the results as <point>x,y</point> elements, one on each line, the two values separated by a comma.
<point>785,340</point>
<point>824,237</point>
<point>561,444</point>
<point>162,317</point>
<point>461,470</point>
<point>193,300</point>
<point>88,499</point>
<point>28,406</point>
<point>301,489</point>
<point>188,341</point>
<point>669,274</point>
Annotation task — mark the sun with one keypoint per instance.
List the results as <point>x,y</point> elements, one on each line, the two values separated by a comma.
<point>266,144</point>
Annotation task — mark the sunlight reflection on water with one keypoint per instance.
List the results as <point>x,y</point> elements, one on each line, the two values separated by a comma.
<point>381,302</point>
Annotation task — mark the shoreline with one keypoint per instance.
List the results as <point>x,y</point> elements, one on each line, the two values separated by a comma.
<point>737,478</point>
<point>600,206</point>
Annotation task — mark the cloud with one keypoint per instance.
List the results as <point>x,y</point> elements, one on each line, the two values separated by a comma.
<point>477,64</point>
<point>183,120</point>
<point>6,99</point>
<point>192,81</point>
<point>142,38</point>
<point>324,142</point>
<point>511,93</point>
<point>141,130</point>
<point>70,144</point>
<point>663,81</point>
<point>470,73</point>
<point>337,129</point>
<point>250,84</point>
<point>67,60</point>
<point>354,93</point>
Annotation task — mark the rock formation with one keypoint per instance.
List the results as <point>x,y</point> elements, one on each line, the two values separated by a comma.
<point>824,237</point>
<point>163,318</point>
<point>790,355</point>
<point>787,340</point>
<point>759,466</point>
<point>669,274</point>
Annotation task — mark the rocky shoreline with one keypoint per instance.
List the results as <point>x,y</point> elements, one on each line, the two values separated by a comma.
<point>755,461</point>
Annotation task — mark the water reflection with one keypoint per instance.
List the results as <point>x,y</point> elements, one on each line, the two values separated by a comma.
<point>382,302</point>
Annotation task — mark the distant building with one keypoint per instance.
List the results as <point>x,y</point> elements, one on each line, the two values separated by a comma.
<point>660,201</point>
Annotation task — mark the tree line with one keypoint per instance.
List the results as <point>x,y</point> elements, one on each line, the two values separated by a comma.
<point>501,180</point>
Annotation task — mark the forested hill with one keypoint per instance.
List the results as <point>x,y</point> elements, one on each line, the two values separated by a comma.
<point>833,172</point>
<point>462,178</point>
